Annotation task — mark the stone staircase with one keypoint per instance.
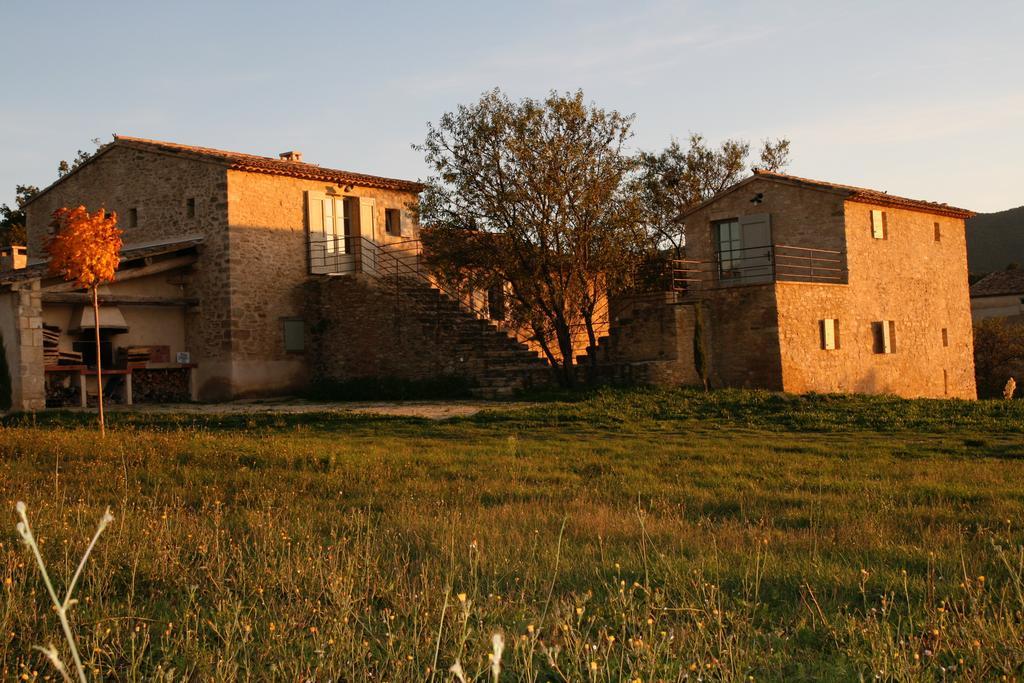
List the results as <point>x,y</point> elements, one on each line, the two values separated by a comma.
<point>497,364</point>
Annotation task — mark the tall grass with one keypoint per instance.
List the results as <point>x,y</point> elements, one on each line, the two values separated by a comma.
<point>655,547</point>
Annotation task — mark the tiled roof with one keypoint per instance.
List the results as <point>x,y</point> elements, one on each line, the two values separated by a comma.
<point>862,194</point>
<point>41,269</point>
<point>1000,283</point>
<point>246,162</point>
<point>271,165</point>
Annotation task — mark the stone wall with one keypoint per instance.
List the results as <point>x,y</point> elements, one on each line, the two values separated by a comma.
<point>909,278</point>
<point>650,342</point>
<point>769,335</point>
<point>21,327</point>
<point>270,266</point>
<point>361,328</point>
<point>742,329</point>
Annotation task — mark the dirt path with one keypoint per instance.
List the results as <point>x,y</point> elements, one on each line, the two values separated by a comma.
<point>434,410</point>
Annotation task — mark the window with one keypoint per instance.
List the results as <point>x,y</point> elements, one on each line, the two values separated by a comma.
<point>829,328</point>
<point>730,245</point>
<point>190,207</point>
<point>294,335</point>
<point>945,336</point>
<point>945,382</point>
<point>938,232</point>
<point>133,217</point>
<point>879,225</point>
<point>330,229</point>
<point>884,333</point>
<point>393,221</point>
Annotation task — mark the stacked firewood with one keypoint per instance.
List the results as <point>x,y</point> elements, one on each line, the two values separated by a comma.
<point>168,385</point>
<point>52,354</point>
<point>61,394</point>
<point>139,355</point>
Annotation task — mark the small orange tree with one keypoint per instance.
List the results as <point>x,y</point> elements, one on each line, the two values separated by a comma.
<point>86,250</point>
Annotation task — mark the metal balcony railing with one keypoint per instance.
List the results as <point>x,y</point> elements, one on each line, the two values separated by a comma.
<point>757,265</point>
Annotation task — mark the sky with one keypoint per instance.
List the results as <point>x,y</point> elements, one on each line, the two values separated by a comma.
<point>918,98</point>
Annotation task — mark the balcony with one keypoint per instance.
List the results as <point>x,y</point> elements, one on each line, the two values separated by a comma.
<point>346,255</point>
<point>759,265</point>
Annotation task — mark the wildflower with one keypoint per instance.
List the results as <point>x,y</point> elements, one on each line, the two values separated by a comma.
<point>593,666</point>
<point>529,629</point>
<point>462,597</point>
<point>457,671</point>
<point>498,646</point>
<point>981,579</point>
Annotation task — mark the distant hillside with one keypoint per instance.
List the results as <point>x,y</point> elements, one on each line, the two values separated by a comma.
<point>995,240</point>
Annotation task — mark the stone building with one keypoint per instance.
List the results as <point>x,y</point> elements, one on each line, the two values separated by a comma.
<point>999,295</point>
<point>224,256</point>
<point>244,275</point>
<point>808,286</point>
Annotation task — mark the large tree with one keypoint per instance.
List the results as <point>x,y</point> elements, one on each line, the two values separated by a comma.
<point>533,195</point>
<point>673,181</point>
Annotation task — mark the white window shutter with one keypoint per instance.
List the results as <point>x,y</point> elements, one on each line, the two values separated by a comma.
<point>886,337</point>
<point>368,218</point>
<point>877,224</point>
<point>828,334</point>
<point>317,238</point>
<point>315,212</point>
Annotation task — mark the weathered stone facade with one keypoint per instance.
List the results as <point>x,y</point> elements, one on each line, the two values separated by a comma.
<point>158,186</point>
<point>651,341</point>
<point>238,271</point>
<point>910,278</point>
<point>21,328</point>
<point>403,329</point>
<point>769,334</point>
<point>267,227</point>
<point>253,264</point>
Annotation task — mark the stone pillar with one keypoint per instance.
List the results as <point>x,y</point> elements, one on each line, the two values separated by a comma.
<point>22,323</point>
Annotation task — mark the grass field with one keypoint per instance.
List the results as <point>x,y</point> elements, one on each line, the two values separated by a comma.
<point>642,535</point>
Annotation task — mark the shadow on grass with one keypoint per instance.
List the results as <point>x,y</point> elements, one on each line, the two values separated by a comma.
<point>638,409</point>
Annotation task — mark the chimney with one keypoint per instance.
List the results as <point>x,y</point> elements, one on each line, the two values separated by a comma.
<point>13,258</point>
<point>291,156</point>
